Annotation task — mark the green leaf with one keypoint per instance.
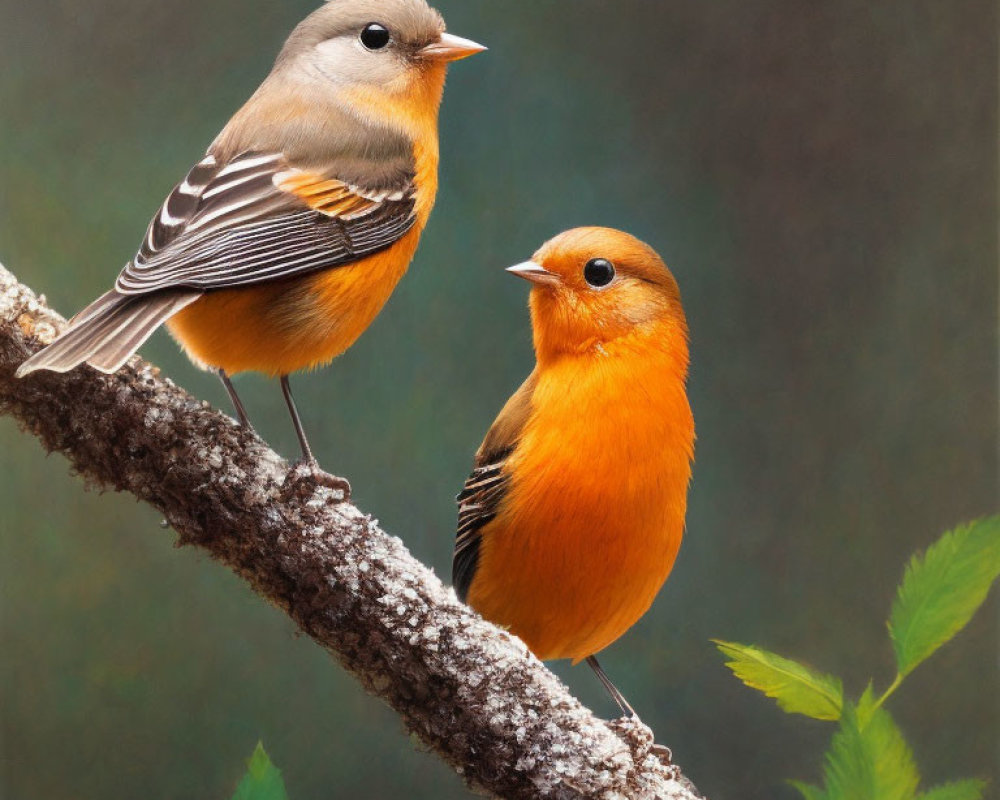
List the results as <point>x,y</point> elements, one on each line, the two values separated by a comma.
<point>262,780</point>
<point>866,707</point>
<point>942,590</point>
<point>808,791</point>
<point>870,762</point>
<point>797,688</point>
<point>959,790</point>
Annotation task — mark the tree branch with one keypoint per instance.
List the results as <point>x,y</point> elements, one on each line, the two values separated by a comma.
<point>470,691</point>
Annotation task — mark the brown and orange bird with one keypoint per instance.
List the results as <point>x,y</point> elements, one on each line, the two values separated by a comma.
<point>573,515</point>
<point>281,246</point>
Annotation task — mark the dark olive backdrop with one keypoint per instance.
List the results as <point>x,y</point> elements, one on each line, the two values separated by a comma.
<point>821,178</point>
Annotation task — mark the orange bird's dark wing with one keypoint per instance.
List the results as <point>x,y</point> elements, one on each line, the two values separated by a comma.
<point>256,218</point>
<point>484,491</point>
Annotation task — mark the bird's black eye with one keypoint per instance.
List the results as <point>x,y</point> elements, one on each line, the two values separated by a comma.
<point>599,272</point>
<point>375,36</point>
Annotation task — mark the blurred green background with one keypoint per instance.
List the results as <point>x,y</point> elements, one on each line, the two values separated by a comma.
<point>821,177</point>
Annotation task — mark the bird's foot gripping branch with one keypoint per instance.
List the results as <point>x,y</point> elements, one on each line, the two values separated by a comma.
<point>471,692</point>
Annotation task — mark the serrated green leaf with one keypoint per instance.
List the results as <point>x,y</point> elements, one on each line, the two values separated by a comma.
<point>262,780</point>
<point>797,688</point>
<point>959,790</point>
<point>866,705</point>
<point>808,791</point>
<point>942,589</point>
<point>870,762</point>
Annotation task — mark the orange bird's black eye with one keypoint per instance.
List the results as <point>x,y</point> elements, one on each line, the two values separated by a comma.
<point>599,272</point>
<point>375,36</point>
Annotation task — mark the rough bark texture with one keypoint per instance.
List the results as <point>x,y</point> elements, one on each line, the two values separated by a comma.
<point>472,692</point>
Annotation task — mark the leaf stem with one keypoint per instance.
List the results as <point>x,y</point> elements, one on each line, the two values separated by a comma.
<point>888,692</point>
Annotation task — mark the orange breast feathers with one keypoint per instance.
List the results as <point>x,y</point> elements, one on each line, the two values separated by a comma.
<point>593,516</point>
<point>281,327</point>
<point>285,326</point>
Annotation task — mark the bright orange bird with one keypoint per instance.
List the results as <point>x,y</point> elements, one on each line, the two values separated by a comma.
<point>573,515</point>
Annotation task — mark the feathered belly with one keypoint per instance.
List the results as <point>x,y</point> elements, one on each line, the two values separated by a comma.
<point>286,326</point>
<point>591,525</point>
<point>575,581</point>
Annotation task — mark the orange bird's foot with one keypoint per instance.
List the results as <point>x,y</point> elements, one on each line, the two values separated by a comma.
<point>640,740</point>
<point>309,470</point>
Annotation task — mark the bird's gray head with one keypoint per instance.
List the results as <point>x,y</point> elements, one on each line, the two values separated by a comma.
<point>373,43</point>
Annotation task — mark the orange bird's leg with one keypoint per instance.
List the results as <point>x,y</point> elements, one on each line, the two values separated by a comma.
<point>616,695</point>
<point>660,751</point>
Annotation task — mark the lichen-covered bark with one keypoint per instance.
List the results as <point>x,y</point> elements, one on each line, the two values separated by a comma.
<point>472,692</point>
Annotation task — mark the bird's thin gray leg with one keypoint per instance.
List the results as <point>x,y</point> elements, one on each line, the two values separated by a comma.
<point>308,459</point>
<point>241,412</point>
<point>286,390</point>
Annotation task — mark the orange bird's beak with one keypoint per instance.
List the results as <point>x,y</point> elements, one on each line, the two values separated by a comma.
<point>450,48</point>
<point>536,273</point>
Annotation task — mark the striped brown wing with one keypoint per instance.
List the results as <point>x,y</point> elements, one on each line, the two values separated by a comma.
<point>258,219</point>
<point>481,498</point>
<point>477,505</point>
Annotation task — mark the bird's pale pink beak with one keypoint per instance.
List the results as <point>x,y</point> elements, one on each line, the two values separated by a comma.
<point>450,48</point>
<point>536,273</point>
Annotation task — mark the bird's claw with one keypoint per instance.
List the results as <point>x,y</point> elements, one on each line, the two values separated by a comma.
<point>639,737</point>
<point>309,469</point>
<point>663,753</point>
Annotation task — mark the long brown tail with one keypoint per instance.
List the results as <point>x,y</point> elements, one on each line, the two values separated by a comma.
<point>108,331</point>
